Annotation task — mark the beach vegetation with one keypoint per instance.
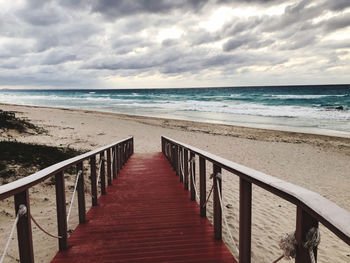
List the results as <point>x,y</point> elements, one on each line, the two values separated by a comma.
<point>9,121</point>
<point>19,159</point>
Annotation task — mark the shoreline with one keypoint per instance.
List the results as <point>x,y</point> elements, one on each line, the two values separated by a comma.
<point>288,130</point>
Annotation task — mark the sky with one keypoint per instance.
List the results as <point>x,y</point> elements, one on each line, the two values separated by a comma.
<point>173,44</point>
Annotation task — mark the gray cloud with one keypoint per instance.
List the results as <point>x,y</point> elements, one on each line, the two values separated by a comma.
<point>56,57</point>
<point>45,15</point>
<point>336,23</point>
<point>78,43</point>
<point>116,9</point>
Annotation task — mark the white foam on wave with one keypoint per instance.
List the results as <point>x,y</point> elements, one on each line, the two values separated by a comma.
<point>242,109</point>
<point>302,96</point>
<point>167,103</point>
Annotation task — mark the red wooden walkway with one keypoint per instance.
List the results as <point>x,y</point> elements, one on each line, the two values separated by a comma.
<point>146,216</point>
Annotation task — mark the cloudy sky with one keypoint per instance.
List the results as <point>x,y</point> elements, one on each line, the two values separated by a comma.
<point>173,43</point>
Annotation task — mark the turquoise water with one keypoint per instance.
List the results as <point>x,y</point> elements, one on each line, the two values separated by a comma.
<point>320,109</point>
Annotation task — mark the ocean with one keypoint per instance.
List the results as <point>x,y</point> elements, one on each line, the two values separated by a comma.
<point>311,109</point>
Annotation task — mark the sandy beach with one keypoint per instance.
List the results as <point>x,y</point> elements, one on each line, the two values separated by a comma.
<point>318,163</point>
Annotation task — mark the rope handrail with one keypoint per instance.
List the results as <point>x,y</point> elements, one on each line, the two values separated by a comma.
<point>42,229</point>
<point>22,210</point>
<point>181,158</point>
<point>75,188</point>
<point>210,192</point>
<point>99,169</point>
<point>224,215</point>
<point>192,163</point>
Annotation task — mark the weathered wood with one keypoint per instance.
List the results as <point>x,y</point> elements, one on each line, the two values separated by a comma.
<point>24,229</point>
<point>245,220</point>
<point>61,211</point>
<point>186,169</point>
<point>93,180</point>
<point>81,194</point>
<point>109,172</point>
<point>103,173</point>
<point>192,176</point>
<point>217,213</point>
<point>202,187</point>
<point>304,222</point>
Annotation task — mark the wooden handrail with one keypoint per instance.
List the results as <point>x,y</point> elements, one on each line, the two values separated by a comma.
<point>312,207</point>
<point>117,155</point>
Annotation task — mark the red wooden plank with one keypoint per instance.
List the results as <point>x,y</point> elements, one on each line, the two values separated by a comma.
<point>145,217</point>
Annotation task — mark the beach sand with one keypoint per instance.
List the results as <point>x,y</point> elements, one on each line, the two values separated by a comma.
<point>318,163</point>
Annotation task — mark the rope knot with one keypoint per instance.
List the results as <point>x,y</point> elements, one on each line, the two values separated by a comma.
<point>313,238</point>
<point>22,210</point>
<point>288,243</point>
<point>217,175</point>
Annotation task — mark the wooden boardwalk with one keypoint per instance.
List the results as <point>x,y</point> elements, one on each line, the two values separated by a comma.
<point>146,216</point>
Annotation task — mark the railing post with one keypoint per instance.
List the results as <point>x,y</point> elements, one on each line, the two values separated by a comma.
<point>186,169</point>
<point>202,186</point>
<point>163,144</point>
<point>81,194</point>
<point>125,153</point>
<point>24,229</point>
<point>245,220</point>
<point>109,172</point>
<point>61,211</point>
<point>173,156</point>
<point>103,173</point>
<point>122,155</point>
<point>304,223</point>
<point>177,160</point>
<point>132,146</point>
<point>93,180</point>
<point>114,165</point>
<point>217,213</point>
<point>192,176</point>
<point>180,163</point>
<point>119,159</point>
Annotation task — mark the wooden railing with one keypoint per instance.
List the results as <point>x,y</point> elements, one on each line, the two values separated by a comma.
<point>312,208</point>
<point>117,154</point>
